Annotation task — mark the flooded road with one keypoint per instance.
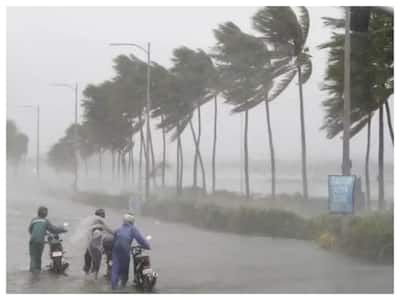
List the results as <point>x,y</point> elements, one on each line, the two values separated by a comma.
<point>189,260</point>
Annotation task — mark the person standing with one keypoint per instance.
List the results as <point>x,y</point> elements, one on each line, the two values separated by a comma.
<point>123,238</point>
<point>38,228</point>
<point>97,235</point>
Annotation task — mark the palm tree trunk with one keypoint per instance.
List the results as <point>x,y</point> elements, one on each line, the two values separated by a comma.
<point>119,166</point>
<point>381,198</point>
<point>303,138</point>
<point>133,167</point>
<point>113,163</point>
<point>367,182</point>
<point>177,165</point>
<point>100,163</point>
<point>128,173</point>
<point>197,153</point>
<point>246,155</point>
<point>181,165</point>
<point>271,151</point>
<point>389,121</point>
<point>195,156</point>
<point>141,153</point>
<point>164,154</point>
<point>153,162</point>
<point>203,173</point>
<point>214,144</point>
<point>123,163</point>
<point>86,167</point>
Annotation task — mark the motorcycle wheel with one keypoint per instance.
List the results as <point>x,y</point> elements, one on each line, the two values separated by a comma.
<point>148,284</point>
<point>57,265</point>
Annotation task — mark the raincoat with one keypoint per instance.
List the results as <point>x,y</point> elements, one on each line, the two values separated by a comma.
<point>37,229</point>
<point>121,252</point>
<point>95,235</point>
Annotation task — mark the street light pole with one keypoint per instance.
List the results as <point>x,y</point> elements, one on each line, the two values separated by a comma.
<point>148,103</point>
<point>148,108</point>
<point>75,89</point>
<point>76,138</point>
<point>37,140</point>
<point>346,163</point>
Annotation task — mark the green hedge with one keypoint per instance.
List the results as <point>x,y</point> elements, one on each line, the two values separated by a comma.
<point>275,223</point>
<point>369,237</point>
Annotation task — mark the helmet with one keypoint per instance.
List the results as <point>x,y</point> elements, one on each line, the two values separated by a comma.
<point>100,212</point>
<point>129,218</point>
<point>42,212</point>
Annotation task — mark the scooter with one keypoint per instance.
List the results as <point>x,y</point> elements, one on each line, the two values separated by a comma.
<point>58,265</point>
<point>107,252</point>
<point>144,276</point>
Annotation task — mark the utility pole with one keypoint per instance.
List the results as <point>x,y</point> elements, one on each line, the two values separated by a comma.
<point>148,108</point>
<point>346,163</point>
<point>76,138</point>
<point>75,142</point>
<point>37,140</point>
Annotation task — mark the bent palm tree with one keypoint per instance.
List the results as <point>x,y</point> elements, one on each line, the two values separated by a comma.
<point>286,33</point>
<point>243,64</point>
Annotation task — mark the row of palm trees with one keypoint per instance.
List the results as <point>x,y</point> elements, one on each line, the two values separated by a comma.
<point>244,69</point>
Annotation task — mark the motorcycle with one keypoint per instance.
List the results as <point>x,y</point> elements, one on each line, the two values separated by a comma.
<point>58,265</point>
<point>107,252</point>
<point>144,276</point>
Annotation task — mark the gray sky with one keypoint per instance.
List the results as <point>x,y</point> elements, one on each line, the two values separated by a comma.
<point>46,45</point>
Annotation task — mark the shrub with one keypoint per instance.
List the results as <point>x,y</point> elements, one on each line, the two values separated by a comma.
<point>370,237</point>
<point>327,240</point>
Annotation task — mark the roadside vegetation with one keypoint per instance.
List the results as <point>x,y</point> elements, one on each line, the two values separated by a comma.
<point>368,236</point>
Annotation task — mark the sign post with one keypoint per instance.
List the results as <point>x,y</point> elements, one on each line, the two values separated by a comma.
<point>341,197</point>
<point>341,194</point>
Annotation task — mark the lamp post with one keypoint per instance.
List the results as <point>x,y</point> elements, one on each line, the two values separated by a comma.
<point>73,87</point>
<point>148,107</point>
<point>346,163</point>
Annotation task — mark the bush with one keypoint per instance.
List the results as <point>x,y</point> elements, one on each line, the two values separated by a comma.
<point>275,223</point>
<point>324,224</point>
<point>327,240</point>
<point>370,237</point>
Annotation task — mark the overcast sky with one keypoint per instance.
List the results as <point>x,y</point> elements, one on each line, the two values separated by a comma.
<point>46,45</point>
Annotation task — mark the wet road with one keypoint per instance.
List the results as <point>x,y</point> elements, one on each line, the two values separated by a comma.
<point>190,260</point>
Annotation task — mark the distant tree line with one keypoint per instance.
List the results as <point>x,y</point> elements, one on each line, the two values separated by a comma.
<point>17,145</point>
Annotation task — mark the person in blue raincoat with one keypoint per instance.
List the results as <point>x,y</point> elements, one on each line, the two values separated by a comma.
<point>123,238</point>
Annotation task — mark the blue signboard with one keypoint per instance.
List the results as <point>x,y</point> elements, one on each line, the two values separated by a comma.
<point>341,190</point>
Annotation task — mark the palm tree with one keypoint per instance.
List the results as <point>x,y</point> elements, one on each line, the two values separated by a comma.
<point>285,33</point>
<point>245,78</point>
<point>17,144</point>
<point>176,113</point>
<point>62,154</point>
<point>194,70</point>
